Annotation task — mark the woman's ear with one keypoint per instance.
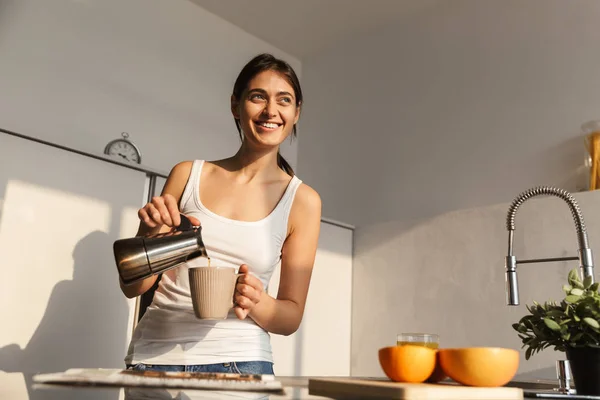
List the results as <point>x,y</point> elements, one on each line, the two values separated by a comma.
<point>297,117</point>
<point>235,107</point>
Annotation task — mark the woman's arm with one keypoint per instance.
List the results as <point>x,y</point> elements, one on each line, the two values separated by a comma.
<point>284,314</point>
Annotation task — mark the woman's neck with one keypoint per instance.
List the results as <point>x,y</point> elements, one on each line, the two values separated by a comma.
<point>251,165</point>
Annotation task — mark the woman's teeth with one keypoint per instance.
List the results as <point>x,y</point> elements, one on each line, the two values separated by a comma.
<point>268,125</point>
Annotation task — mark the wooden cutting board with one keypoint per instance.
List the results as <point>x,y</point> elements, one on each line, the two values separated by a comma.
<point>360,388</point>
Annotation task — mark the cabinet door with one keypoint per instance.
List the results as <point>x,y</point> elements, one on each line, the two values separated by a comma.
<point>59,216</point>
<point>321,346</point>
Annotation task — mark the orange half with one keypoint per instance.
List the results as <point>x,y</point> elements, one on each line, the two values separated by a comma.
<point>407,363</point>
<point>480,366</point>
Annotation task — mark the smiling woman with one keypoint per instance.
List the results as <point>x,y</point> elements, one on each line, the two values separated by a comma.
<point>255,213</point>
<point>267,97</point>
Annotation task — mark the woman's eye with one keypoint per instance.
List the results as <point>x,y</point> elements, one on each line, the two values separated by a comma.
<point>286,100</point>
<point>257,97</point>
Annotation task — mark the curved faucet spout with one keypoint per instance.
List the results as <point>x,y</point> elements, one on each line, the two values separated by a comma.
<point>585,258</point>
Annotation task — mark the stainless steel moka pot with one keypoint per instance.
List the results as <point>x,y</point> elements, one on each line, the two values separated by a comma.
<point>140,257</point>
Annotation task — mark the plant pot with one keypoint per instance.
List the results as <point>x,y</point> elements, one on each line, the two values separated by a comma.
<point>585,369</point>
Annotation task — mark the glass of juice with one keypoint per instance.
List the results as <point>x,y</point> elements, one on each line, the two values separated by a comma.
<point>430,340</point>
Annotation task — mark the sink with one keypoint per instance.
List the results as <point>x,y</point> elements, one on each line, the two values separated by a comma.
<point>544,389</point>
<point>537,385</point>
<point>545,381</point>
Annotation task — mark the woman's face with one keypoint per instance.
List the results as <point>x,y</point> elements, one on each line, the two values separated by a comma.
<point>266,110</point>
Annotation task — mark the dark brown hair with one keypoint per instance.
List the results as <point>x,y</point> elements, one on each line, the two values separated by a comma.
<point>267,62</point>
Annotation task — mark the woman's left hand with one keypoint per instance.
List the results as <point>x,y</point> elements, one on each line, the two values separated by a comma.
<point>248,292</point>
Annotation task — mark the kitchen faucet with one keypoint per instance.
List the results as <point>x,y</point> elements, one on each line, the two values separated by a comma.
<point>586,263</point>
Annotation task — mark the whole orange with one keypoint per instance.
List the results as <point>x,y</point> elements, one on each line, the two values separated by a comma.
<point>407,363</point>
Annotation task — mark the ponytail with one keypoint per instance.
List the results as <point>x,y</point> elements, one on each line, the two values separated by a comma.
<point>284,165</point>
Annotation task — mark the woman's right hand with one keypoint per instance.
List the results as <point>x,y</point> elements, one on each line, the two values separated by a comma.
<point>162,210</point>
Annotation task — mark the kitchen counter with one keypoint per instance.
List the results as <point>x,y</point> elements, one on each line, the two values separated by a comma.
<point>294,387</point>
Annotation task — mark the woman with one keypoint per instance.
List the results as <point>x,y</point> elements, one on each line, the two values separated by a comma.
<point>254,214</point>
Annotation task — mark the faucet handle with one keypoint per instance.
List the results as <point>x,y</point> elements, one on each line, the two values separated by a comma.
<point>563,373</point>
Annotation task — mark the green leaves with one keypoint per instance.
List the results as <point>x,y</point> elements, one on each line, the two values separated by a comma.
<point>574,279</point>
<point>574,322</point>
<point>572,298</point>
<point>519,328</point>
<point>551,324</point>
<point>576,292</point>
<point>592,322</point>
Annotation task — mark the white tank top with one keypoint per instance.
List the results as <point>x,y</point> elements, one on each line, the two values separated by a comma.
<point>169,332</point>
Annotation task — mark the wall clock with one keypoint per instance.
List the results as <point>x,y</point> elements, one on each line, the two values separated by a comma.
<point>124,149</point>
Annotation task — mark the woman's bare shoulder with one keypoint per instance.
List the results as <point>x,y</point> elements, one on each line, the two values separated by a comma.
<point>177,179</point>
<point>181,170</point>
<point>307,203</point>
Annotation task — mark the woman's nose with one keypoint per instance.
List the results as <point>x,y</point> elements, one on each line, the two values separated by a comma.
<point>270,110</point>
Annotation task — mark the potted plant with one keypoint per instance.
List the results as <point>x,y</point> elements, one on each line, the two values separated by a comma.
<point>572,326</point>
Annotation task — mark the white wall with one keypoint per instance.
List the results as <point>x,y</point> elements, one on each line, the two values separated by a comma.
<point>80,72</point>
<point>446,276</point>
<point>321,346</point>
<point>456,106</point>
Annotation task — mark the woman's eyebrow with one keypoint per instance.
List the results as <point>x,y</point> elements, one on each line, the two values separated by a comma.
<point>262,91</point>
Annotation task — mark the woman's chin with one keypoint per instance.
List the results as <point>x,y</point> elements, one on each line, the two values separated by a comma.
<point>269,139</point>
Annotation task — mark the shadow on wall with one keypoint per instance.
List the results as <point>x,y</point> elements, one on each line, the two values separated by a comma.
<point>66,288</point>
<point>61,334</point>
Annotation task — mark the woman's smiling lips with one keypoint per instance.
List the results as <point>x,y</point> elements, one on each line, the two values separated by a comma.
<point>266,126</point>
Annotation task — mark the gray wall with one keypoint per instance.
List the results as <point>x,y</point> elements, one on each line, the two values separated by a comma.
<point>446,276</point>
<point>459,105</point>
